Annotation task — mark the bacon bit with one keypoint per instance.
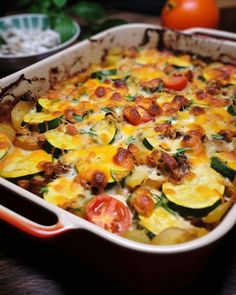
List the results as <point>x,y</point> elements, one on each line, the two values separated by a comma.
<point>137,156</point>
<point>52,169</point>
<point>227,134</point>
<point>116,96</point>
<point>152,85</point>
<point>201,94</point>
<point>169,161</point>
<point>166,130</point>
<point>131,52</point>
<point>197,111</point>
<point>193,139</point>
<point>142,202</point>
<point>219,102</point>
<point>153,158</point>
<point>24,183</point>
<point>122,158</point>
<point>189,76</point>
<point>132,148</point>
<point>180,101</point>
<point>169,108</point>
<point>132,115</point>
<point>119,83</point>
<point>100,91</point>
<point>154,109</point>
<point>69,115</point>
<point>71,130</point>
<point>99,180</point>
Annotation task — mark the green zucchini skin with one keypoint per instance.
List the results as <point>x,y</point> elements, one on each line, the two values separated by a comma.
<point>184,211</point>
<point>50,149</point>
<point>231,110</point>
<point>107,128</point>
<point>44,126</point>
<point>222,168</point>
<point>147,144</point>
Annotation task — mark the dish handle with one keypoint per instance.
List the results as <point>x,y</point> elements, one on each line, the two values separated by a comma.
<point>35,229</point>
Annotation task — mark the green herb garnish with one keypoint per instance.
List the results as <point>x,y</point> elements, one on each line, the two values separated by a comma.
<point>107,110</point>
<point>101,75</point>
<point>217,136</point>
<point>180,151</point>
<point>130,139</point>
<point>44,190</point>
<point>163,202</point>
<point>131,98</point>
<point>89,132</point>
<point>78,118</point>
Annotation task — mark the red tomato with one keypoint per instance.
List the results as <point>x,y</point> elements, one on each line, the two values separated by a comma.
<point>183,14</point>
<point>109,213</point>
<point>136,115</point>
<point>176,82</point>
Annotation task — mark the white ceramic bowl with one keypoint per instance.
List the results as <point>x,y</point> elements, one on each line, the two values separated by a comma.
<point>11,63</point>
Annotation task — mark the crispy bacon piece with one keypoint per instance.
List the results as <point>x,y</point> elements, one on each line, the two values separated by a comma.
<point>180,101</point>
<point>116,96</point>
<point>153,158</point>
<point>227,134</point>
<point>52,169</point>
<point>122,158</point>
<point>219,102</point>
<point>100,91</point>
<point>131,52</point>
<point>24,183</point>
<point>170,161</point>
<point>169,108</point>
<point>194,140</point>
<point>189,75</point>
<point>71,130</point>
<point>119,83</point>
<point>197,111</point>
<point>69,115</point>
<point>152,85</point>
<point>142,202</point>
<point>132,115</point>
<point>166,130</point>
<point>201,94</point>
<point>99,180</point>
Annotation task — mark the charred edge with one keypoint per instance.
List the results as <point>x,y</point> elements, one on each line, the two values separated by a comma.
<point>53,72</point>
<point>160,43</point>
<point>105,51</point>
<point>6,90</point>
<point>93,40</point>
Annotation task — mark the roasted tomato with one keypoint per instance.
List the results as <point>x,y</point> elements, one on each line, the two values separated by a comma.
<point>109,213</point>
<point>176,82</point>
<point>136,115</point>
<point>183,14</point>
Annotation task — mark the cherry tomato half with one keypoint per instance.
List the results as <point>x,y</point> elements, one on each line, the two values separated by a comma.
<point>176,82</point>
<point>183,14</point>
<point>109,213</point>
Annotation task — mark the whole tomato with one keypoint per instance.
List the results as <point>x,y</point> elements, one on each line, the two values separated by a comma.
<point>183,14</point>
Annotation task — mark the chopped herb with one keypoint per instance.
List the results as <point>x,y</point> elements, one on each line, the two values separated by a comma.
<point>107,110</point>
<point>44,190</point>
<point>78,118</point>
<point>131,98</point>
<point>170,120</point>
<point>130,139</point>
<point>217,136</point>
<point>180,151</point>
<point>163,202</point>
<point>89,132</point>
<point>150,234</point>
<point>201,78</point>
<point>100,75</point>
<point>138,49</point>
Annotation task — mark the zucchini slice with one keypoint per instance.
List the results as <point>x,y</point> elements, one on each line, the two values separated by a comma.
<point>19,163</point>
<point>5,144</point>
<point>105,132</point>
<point>63,192</point>
<point>42,122</point>
<point>225,164</point>
<point>231,110</point>
<point>202,190</point>
<point>170,145</point>
<point>96,158</point>
<point>162,219</point>
<point>52,105</point>
<point>65,141</point>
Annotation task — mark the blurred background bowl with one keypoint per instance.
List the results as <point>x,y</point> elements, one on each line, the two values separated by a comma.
<point>11,63</point>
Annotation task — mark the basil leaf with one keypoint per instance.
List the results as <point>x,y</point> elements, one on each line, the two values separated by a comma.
<point>44,190</point>
<point>107,110</point>
<point>217,136</point>
<point>63,25</point>
<point>180,151</point>
<point>89,11</point>
<point>78,118</point>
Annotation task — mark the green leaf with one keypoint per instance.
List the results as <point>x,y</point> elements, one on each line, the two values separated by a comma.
<point>107,110</point>
<point>180,151</point>
<point>101,74</point>
<point>130,139</point>
<point>109,23</point>
<point>78,118</point>
<point>44,190</point>
<point>64,26</point>
<point>217,136</point>
<point>131,98</point>
<point>59,3</point>
<point>90,11</point>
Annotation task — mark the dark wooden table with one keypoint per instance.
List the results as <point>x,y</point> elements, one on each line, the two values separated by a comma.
<point>32,267</point>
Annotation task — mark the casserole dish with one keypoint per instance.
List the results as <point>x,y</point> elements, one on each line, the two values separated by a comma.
<point>36,80</point>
